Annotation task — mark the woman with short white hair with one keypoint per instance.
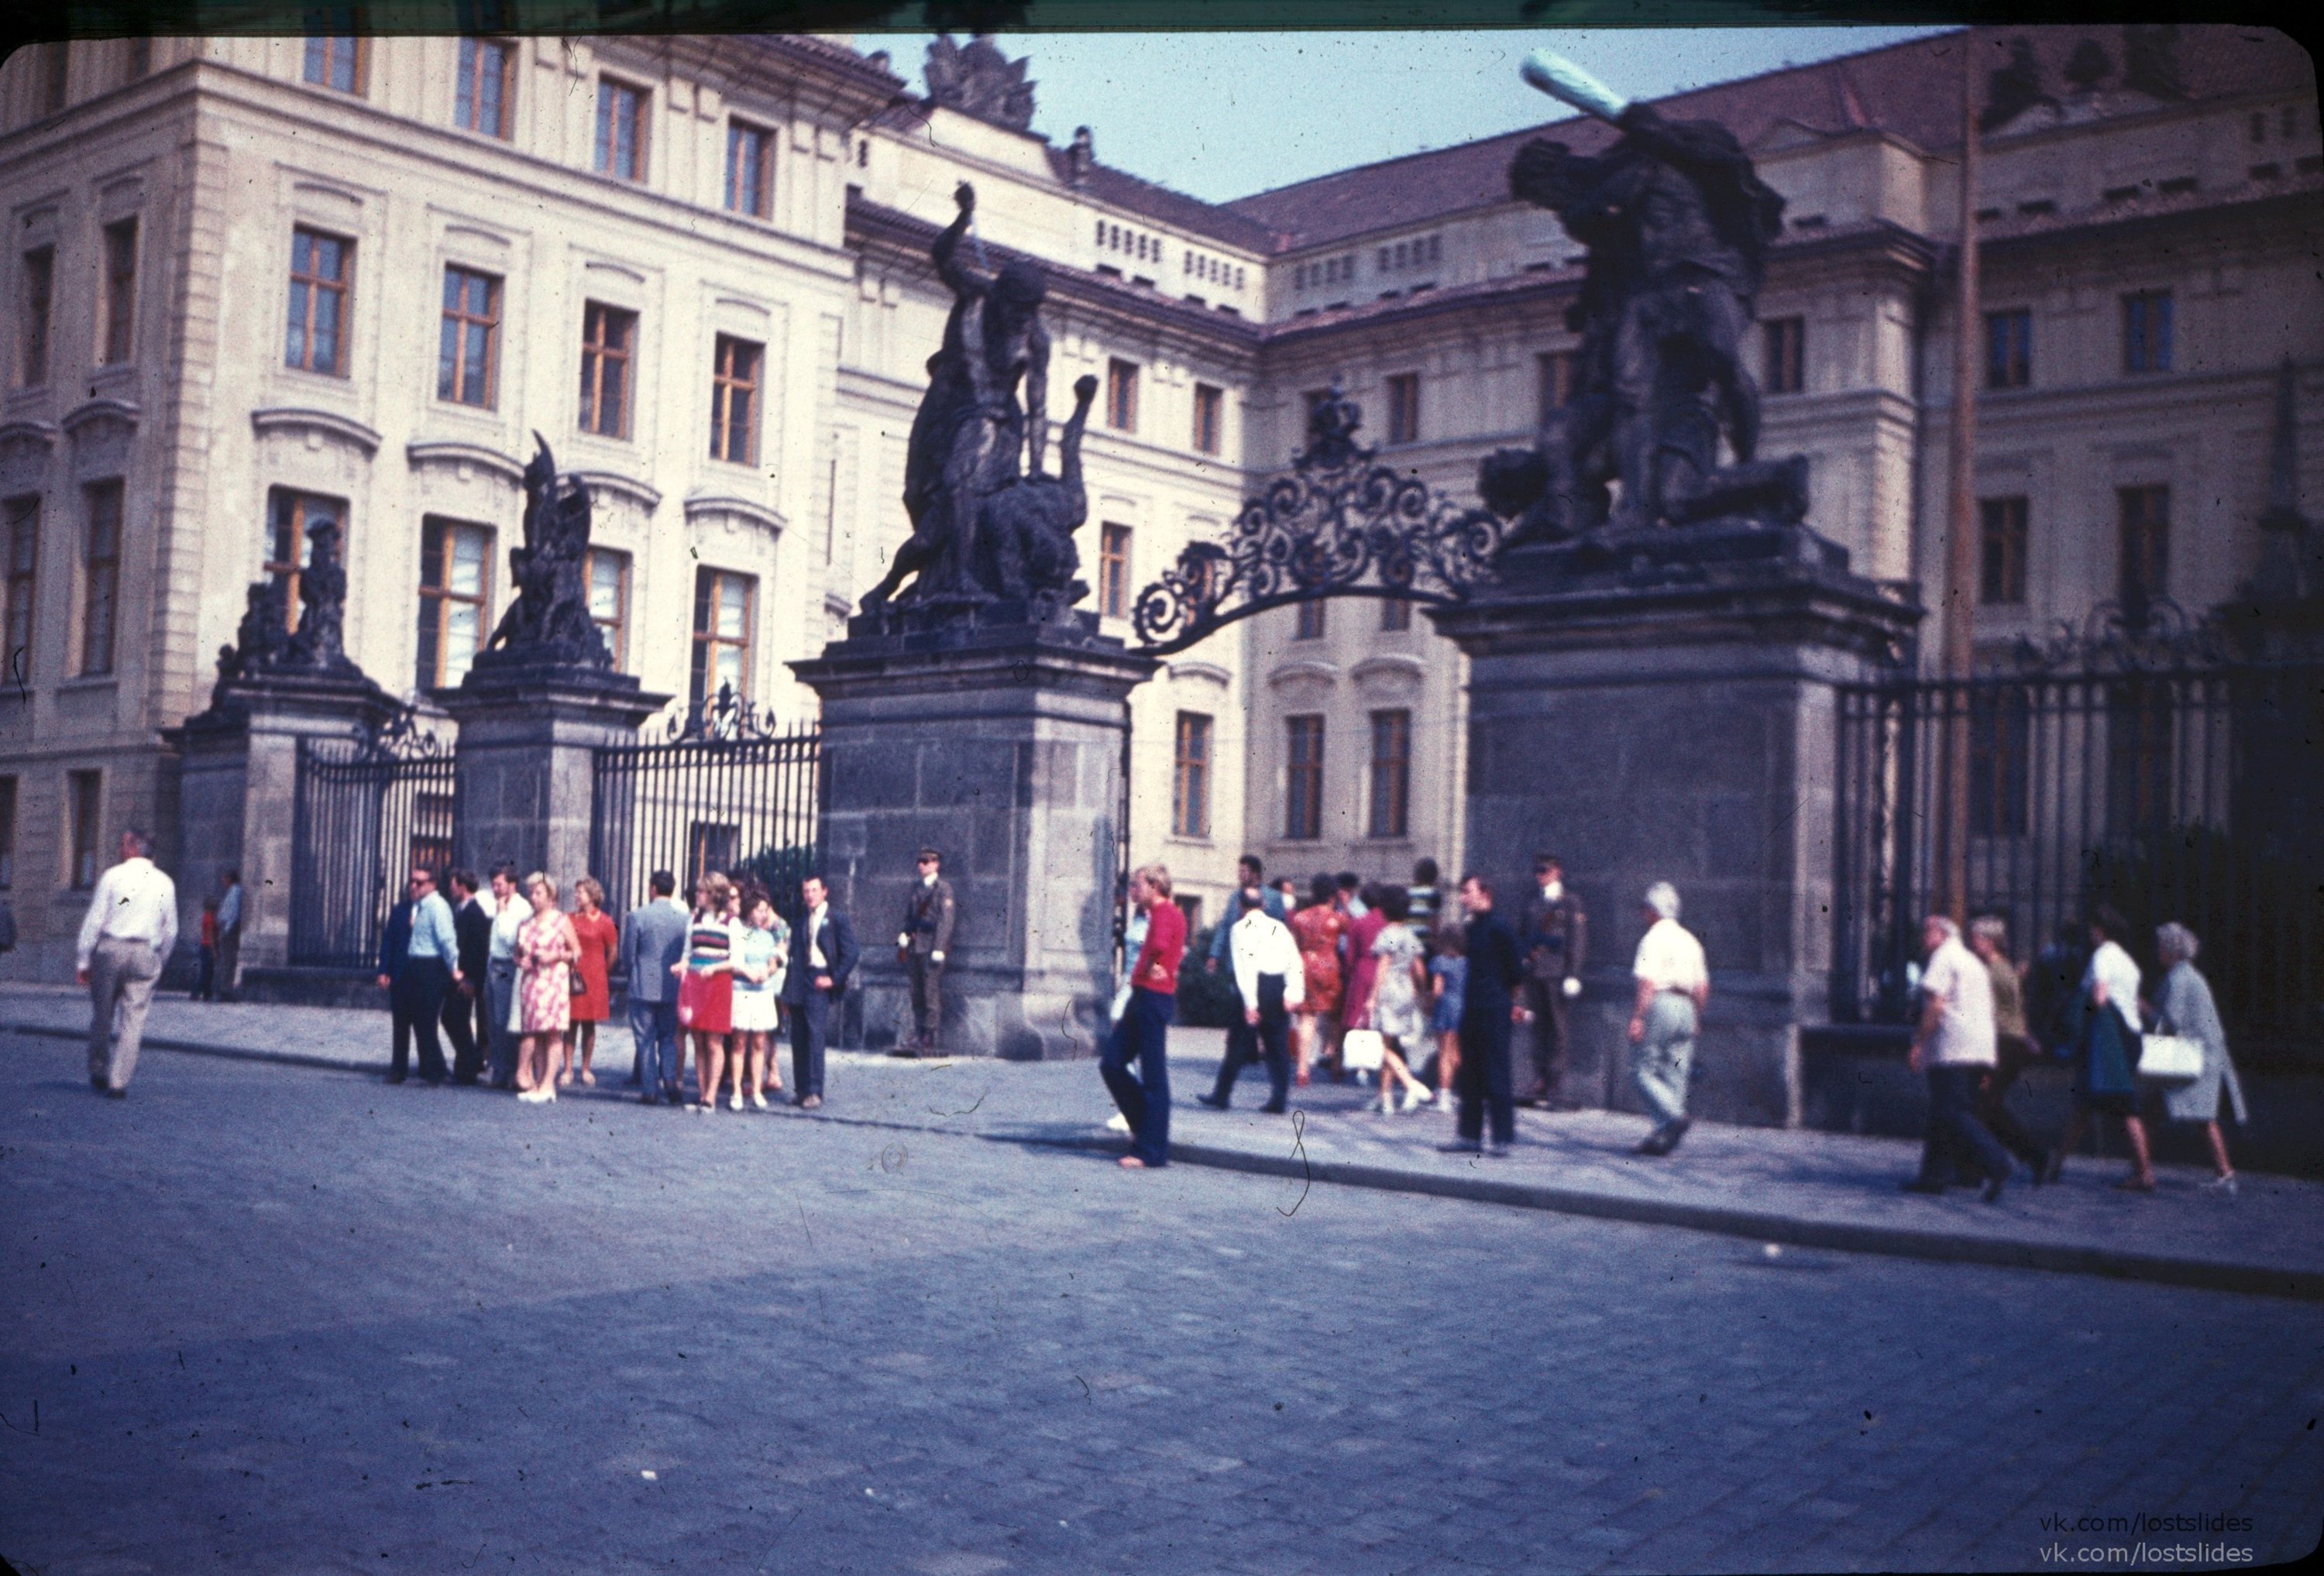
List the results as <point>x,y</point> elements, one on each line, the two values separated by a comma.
<point>545,950</point>
<point>2184,1007</point>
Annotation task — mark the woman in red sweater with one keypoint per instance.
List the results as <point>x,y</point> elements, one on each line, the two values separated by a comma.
<point>1140,1036</point>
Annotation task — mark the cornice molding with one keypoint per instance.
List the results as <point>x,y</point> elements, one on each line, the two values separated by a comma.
<point>44,433</point>
<point>98,409</point>
<point>1386,662</point>
<point>1300,668</point>
<point>643,495</point>
<point>1210,671</point>
<point>702,505</point>
<point>443,452</point>
<point>293,418</point>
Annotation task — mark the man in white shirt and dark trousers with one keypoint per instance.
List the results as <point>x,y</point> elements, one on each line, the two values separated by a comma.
<point>1954,1045</point>
<point>1270,985</point>
<point>1674,984</point>
<point>130,927</point>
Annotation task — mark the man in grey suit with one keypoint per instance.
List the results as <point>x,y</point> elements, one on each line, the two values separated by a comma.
<point>654,939</point>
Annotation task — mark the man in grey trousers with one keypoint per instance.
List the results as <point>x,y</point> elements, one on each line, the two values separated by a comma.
<point>653,938</point>
<point>131,926</point>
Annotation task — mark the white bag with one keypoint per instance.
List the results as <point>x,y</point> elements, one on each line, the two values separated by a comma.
<point>1361,1050</point>
<point>2171,1058</point>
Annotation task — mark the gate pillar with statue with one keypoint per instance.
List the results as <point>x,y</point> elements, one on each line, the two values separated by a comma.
<point>280,692</point>
<point>540,700</point>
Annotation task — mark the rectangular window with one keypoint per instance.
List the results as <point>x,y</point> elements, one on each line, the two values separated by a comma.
<point>711,845</point>
<point>467,346</point>
<point>2008,349</point>
<point>39,290</point>
<point>1121,395</point>
<point>24,585</point>
<point>1113,570</point>
<point>1209,409</point>
<point>734,401</point>
<point>84,811</point>
<point>1391,774</point>
<point>2000,747</point>
<point>1553,381</point>
<point>1310,626</point>
<point>100,578</point>
<point>2001,531</point>
<point>606,333</point>
<point>621,130</point>
<point>721,634</point>
<point>485,93</point>
<point>1395,615</point>
<point>1303,800</point>
<point>290,517</point>
<point>1190,783</point>
<point>317,337</point>
<point>1191,908</point>
<point>750,170</point>
<point>1403,408</point>
<point>120,288</point>
<point>609,598</point>
<point>455,587</point>
<point>2146,562</point>
<point>336,63</point>
<point>1785,342</point>
<point>2140,718</point>
<point>2146,331</point>
<point>7,833</point>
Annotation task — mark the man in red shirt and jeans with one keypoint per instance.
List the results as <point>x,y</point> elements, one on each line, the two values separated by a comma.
<point>1145,1100</point>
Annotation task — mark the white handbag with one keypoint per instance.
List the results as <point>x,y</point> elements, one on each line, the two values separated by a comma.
<point>1362,1049</point>
<point>2169,1058</point>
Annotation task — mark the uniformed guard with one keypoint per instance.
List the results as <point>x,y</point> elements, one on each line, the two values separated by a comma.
<point>921,948</point>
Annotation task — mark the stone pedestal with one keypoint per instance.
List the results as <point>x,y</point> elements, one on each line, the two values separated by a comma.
<point>1669,713</point>
<point>237,786</point>
<point>1000,745</point>
<point>524,763</point>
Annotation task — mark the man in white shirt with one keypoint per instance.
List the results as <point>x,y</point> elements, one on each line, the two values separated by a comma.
<point>1954,1045</point>
<point>132,925</point>
<point>1674,984</point>
<point>1271,984</point>
<point>509,915</point>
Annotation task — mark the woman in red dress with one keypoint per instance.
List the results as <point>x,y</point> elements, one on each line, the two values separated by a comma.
<point>601,947</point>
<point>1317,929</point>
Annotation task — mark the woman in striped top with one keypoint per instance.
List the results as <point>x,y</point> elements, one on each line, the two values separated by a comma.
<point>706,994</point>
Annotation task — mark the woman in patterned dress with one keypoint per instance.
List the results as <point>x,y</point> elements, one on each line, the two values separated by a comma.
<point>1317,929</point>
<point>546,948</point>
<point>593,1004</point>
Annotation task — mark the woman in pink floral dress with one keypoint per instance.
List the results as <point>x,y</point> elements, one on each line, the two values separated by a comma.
<point>545,952</point>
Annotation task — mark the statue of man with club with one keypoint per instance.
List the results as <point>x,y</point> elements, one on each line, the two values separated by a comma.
<point>1677,224</point>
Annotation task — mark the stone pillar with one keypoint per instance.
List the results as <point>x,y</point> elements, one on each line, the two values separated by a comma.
<point>1672,717</point>
<point>237,776</point>
<point>1002,747</point>
<point>522,765</point>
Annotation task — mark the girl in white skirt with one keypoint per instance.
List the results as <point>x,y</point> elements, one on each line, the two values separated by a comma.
<point>760,955</point>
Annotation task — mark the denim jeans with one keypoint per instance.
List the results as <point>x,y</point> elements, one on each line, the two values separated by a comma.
<point>1143,1037</point>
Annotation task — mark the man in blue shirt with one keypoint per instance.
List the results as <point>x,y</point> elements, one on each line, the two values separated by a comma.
<point>1249,873</point>
<point>419,963</point>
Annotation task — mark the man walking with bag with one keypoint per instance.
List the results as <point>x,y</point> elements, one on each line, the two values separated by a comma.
<point>1674,984</point>
<point>1954,1045</point>
<point>125,938</point>
<point>1270,985</point>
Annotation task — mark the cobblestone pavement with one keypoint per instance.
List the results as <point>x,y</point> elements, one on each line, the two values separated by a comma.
<point>1803,1186</point>
<point>268,1320</point>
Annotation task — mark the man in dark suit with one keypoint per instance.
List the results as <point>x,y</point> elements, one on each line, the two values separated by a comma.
<point>1495,971</point>
<point>823,954</point>
<point>1556,940</point>
<point>418,957</point>
<point>463,1005</point>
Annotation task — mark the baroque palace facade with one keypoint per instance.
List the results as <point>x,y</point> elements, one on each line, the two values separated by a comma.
<point>256,282</point>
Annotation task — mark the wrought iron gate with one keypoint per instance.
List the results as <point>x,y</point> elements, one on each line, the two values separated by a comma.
<point>724,790</point>
<point>2145,765</point>
<point>366,811</point>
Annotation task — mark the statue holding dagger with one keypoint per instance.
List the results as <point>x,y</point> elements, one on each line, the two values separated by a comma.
<point>1677,224</point>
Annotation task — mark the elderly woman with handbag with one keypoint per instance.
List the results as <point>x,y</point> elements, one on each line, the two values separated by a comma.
<point>2184,1008</point>
<point>2104,1021</point>
<point>545,952</point>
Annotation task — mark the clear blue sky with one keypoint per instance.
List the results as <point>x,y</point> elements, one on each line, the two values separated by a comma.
<point>1221,114</point>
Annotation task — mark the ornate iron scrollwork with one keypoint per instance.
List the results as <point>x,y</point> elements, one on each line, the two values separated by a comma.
<point>402,735</point>
<point>1340,524</point>
<point>723,717</point>
<point>2135,633</point>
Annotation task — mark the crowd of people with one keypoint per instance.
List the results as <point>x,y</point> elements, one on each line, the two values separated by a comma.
<point>1374,982</point>
<point>2136,1058</point>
